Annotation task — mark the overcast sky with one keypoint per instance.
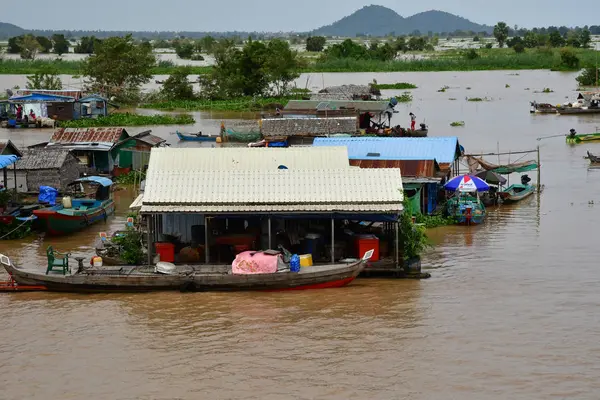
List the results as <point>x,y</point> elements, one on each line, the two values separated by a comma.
<point>273,16</point>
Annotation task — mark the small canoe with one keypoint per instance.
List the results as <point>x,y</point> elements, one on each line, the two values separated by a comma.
<point>585,137</point>
<point>195,137</point>
<point>184,277</point>
<point>515,193</point>
<point>65,218</point>
<point>577,110</point>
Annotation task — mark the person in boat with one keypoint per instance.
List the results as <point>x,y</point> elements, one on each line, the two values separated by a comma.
<point>572,133</point>
<point>413,121</point>
<point>31,115</point>
<point>199,134</point>
<point>19,112</point>
<point>525,179</point>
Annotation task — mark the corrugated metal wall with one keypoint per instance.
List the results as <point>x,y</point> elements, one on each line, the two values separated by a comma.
<point>181,224</point>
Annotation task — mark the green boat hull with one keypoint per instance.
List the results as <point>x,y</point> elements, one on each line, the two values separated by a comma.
<point>589,137</point>
<point>516,192</point>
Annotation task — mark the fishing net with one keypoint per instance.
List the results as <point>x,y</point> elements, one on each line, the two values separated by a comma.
<point>243,137</point>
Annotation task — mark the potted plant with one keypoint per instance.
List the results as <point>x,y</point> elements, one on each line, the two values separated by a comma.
<point>413,240</point>
<point>5,197</point>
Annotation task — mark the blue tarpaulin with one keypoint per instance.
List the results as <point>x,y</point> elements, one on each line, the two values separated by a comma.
<point>47,195</point>
<point>5,161</point>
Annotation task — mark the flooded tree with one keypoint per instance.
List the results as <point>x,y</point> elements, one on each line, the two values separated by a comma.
<point>28,47</point>
<point>60,44</point>
<point>45,43</point>
<point>177,86</point>
<point>501,33</point>
<point>315,43</point>
<point>119,67</point>
<point>48,80</point>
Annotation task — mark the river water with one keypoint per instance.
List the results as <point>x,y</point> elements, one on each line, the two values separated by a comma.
<point>510,310</point>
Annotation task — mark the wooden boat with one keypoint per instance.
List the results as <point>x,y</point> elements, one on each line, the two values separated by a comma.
<point>184,277</point>
<point>578,110</point>
<point>574,138</point>
<point>542,108</point>
<point>594,160</point>
<point>466,209</point>
<point>196,137</point>
<point>516,192</point>
<point>76,214</point>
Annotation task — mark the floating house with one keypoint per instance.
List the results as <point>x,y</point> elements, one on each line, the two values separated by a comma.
<point>45,167</point>
<point>9,154</point>
<point>426,163</point>
<point>307,128</point>
<point>253,199</point>
<point>347,92</point>
<point>134,153</point>
<point>96,148</point>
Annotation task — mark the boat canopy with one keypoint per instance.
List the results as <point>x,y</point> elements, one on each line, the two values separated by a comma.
<point>7,160</point>
<point>504,169</point>
<point>106,182</point>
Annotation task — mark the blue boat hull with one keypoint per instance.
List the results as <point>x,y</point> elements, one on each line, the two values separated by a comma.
<point>192,138</point>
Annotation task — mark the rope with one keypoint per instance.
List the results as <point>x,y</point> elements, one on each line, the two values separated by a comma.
<point>24,222</point>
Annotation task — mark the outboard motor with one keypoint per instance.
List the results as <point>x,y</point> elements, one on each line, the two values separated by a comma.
<point>525,179</point>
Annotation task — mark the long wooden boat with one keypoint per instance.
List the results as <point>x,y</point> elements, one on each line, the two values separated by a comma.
<point>516,192</point>
<point>62,220</point>
<point>196,137</point>
<point>467,210</point>
<point>184,277</point>
<point>542,108</point>
<point>584,137</point>
<point>578,110</point>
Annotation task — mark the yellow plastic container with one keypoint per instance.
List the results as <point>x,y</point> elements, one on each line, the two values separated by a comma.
<point>306,260</point>
<point>97,261</point>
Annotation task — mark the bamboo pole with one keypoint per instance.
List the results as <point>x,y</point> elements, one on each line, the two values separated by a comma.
<point>539,172</point>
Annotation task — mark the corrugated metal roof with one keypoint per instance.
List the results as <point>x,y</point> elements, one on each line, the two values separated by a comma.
<point>87,135</point>
<point>285,127</point>
<point>358,105</point>
<point>137,203</point>
<point>244,158</point>
<point>409,168</point>
<point>13,149</point>
<point>42,97</point>
<point>43,158</point>
<point>442,149</point>
<point>149,138</point>
<point>340,190</point>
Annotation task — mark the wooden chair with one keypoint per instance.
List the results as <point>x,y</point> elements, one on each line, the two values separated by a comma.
<point>59,260</point>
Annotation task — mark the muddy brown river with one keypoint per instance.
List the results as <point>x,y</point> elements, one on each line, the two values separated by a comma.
<point>511,310</point>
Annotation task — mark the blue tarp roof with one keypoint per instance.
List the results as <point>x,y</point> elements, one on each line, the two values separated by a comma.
<point>5,161</point>
<point>41,97</point>
<point>442,149</point>
<point>96,179</point>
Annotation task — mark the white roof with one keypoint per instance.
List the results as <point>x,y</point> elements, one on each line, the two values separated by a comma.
<point>192,190</point>
<point>137,203</point>
<point>244,158</point>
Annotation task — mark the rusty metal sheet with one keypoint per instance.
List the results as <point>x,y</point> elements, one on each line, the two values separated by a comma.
<point>408,168</point>
<point>87,135</point>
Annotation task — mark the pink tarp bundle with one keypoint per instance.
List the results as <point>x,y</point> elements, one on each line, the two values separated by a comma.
<point>252,262</point>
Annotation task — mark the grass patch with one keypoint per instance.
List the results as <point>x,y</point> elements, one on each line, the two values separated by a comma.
<point>405,97</point>
<point>239,104</point>
<point>475,99</point>
<point>127,119</point>
<point>457,123</point>
<point>398,85</point>
<point>443,89</point>
<point>454,60</point>
<point>300,91</point>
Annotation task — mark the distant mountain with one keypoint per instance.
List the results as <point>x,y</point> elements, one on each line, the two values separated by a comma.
<point>381,21</point>
<point>9,30</point>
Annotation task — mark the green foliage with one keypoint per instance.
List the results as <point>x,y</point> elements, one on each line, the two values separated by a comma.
<point>547,90</point>
<point>589,77</point>
<point>405,97</point>
<point>569,58</point>
<point>501,33</point>
<point>130,178</point>
<point>475,99</point>
<point>47,79</point>
<point>471,54</point>
<point>60,44</point>
<point>185,49</point>
<point>28,47</point>
<point>315,43</point>
<point>126,119</point>
<point>233,104</point>
<point>251,71</point>
<point>13,45</point>
<point>399,85</point>
<point>435,221</point>
<point>457,123</point>
<point>177,86</point>
<point>131,246</point>
<point>489,45</point>
<point>119,67</point>
<point>5,197</point>
<point>555,39</point>
<point>585,37</point>
<point>87,45</point>
<point>349,49</point>
<point>519,47</point>
<point>15,230</point>
<point>208,43</point>
<point>45,44</point>
<point>413,238</point>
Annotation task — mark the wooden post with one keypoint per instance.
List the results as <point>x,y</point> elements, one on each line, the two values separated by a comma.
<point>332,240</point>
<point>15,175</point>
<point>206,249</point>
<point>539,172</point>
<point>149,228</point>
<point>5,178</point>
<point>269,231</point>
<point>397,246</point>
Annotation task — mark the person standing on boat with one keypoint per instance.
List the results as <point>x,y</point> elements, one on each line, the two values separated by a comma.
<point>19,112</point>
<point>413,121</point>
